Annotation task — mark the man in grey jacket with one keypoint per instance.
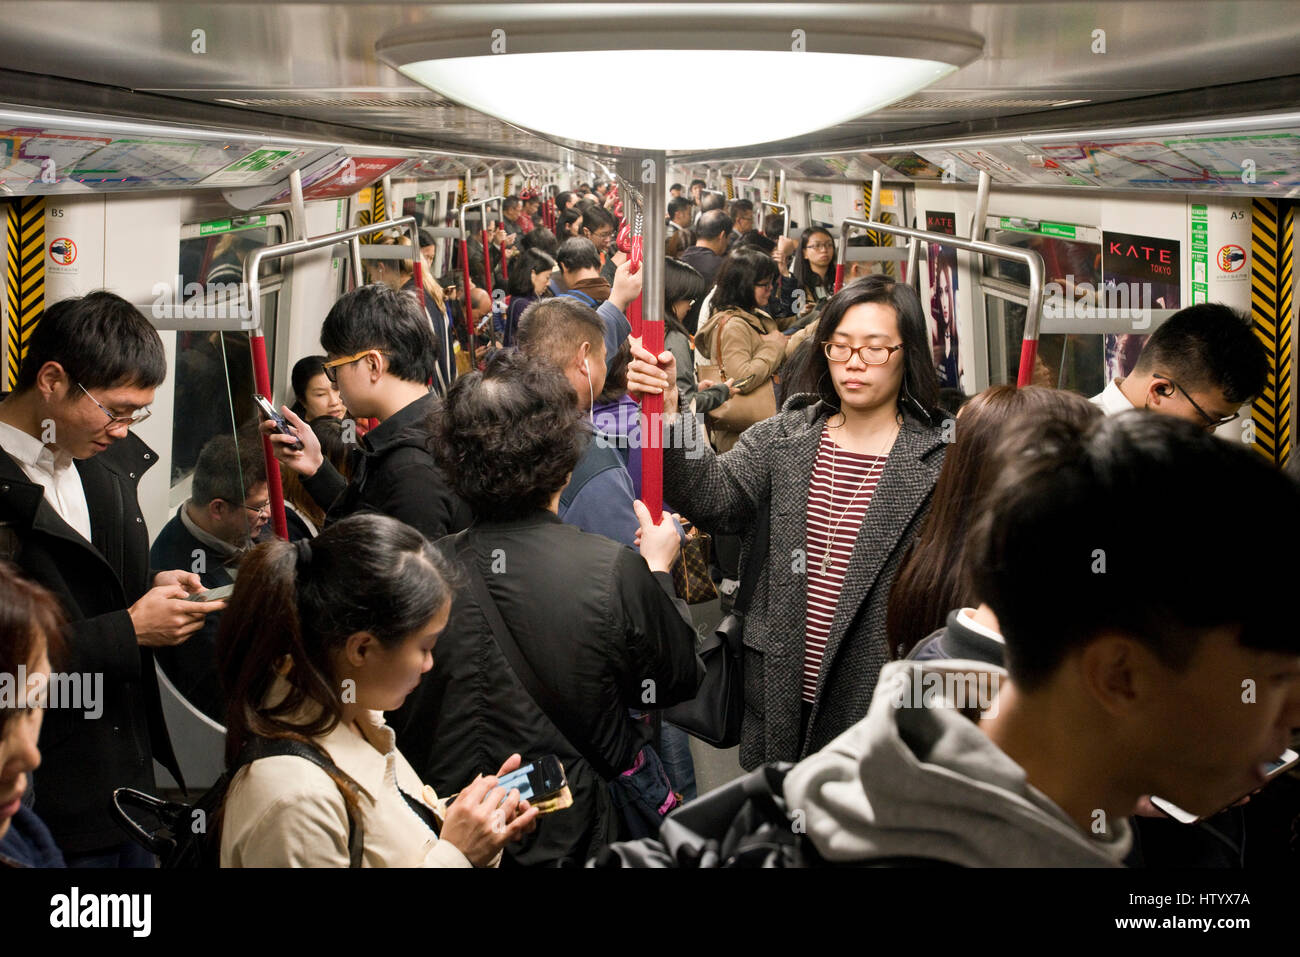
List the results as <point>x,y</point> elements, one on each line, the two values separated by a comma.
<point>1133,669</point>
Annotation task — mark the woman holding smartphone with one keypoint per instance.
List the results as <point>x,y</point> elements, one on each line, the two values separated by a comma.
<point>320,638</point>
<point>842,478</point>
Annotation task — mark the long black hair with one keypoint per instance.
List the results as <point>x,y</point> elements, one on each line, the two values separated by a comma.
<point>520,280</point>
<point>682,281</point>
<point>801,270</point>
<point>741,271</point>
<point>919,391</point>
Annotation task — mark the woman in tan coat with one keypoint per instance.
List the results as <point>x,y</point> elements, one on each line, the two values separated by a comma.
<point>321,637</point>
<point>740,336</point>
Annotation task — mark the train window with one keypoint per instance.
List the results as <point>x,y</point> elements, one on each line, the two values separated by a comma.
<point>1071,257</point>
<point>214,380</point>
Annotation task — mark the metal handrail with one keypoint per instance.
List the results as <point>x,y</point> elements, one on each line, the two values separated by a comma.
<point>1028,257</point>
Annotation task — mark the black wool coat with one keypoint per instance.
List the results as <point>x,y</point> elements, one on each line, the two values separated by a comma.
<point>721,493</point>
<point>83,759</point>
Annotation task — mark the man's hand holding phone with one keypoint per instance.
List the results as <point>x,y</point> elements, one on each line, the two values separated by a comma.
<point>307,460</point>
<point>166,615</point>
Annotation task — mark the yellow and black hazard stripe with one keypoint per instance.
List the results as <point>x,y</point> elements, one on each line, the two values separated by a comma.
<point>24,278</point>
<point>1272,257</point>
<point>730,187</point>
<point>373,209</point>
<point>462,191</point>
<point>505,190</point>
<point>875,236</point>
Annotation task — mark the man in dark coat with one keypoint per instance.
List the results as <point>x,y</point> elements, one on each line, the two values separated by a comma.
<point>382,353</point>
<point>69,518</point>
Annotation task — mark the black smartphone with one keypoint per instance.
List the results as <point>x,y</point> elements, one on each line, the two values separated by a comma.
<point>281,426</point>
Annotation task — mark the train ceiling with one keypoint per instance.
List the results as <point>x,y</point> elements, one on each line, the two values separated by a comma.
<point>1071,94</point>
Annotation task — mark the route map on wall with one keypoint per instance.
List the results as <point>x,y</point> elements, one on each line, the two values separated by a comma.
<point>1241,162</point>
<point>24,153</point>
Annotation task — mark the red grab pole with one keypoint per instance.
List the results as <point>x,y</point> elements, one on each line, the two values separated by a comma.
<point>262,376</point>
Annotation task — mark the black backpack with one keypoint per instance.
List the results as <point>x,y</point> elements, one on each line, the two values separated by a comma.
<point>183,835</point>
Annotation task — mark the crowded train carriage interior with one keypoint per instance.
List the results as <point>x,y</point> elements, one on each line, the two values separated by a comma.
<point>383,252</point>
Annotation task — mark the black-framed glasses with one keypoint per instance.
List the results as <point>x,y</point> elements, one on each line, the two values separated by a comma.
<point>135,418</point>
<point>820,246</point>
<point>1210,421</point>
<point>871,355</point>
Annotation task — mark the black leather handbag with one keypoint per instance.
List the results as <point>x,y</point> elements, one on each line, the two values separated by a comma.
<point>715,713</point>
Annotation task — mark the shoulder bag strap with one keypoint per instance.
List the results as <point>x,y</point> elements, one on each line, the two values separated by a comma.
<point>259,747</point>
<point>540,694</point>
<point>717,351</point>
<point>757,558</point>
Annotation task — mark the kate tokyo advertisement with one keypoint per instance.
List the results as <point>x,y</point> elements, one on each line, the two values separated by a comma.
<point>1137,269</point>
<point>941,261</point>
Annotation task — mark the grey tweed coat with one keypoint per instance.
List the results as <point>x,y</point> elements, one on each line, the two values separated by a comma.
<point>720,493</point>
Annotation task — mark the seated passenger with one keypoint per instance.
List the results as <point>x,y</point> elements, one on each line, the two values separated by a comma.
<point>933,609</point>
<point>382,355</point>
<point>1202,365</point>
<point>31,625</point>
<point>320,639</point>
<point>1126,655</point>
<point>227,510</point>
<point>598,622</point>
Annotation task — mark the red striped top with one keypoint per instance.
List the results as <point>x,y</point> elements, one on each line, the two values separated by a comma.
<point>840,510</point>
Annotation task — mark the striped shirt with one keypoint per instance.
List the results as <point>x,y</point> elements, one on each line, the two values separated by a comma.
<point>839,510</point>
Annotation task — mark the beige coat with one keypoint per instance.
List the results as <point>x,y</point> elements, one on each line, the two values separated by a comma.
<point>745,354</point>
<point>284,811</point>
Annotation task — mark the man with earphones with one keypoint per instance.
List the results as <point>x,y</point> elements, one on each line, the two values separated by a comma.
<point>1203,364</point>
<point>581,341</point>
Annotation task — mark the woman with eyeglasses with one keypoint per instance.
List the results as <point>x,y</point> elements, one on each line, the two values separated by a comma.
<point>740,335</point>
<point>813,272</point>
<point>840,481</point>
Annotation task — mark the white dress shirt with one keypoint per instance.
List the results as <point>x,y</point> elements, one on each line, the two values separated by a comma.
<point>1111,400</point>
<point>55,472</point>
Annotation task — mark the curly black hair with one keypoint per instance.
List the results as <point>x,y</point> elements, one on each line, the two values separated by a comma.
<point>510,436</point>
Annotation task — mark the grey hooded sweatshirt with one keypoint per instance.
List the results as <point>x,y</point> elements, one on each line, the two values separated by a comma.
<point>924,782</point>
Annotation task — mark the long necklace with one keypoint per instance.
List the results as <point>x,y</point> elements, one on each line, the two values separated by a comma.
<point>872,472</point>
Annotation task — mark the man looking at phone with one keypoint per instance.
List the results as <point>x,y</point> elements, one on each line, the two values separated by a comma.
<point>381,352</point>
<point>1134,667</point>
<point>228,509</point>
<point>70,519</point>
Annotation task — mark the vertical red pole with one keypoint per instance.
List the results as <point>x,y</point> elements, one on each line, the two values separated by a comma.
<point>1028,355</point>
<point>262,377</point>
<point>505,272</point>
<point>467,308</point>
<point>839,276</point>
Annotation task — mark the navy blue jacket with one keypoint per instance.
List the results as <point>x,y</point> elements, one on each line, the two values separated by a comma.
<point>29,843</point>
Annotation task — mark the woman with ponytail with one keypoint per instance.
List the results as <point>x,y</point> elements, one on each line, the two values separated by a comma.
<point>321,637</point>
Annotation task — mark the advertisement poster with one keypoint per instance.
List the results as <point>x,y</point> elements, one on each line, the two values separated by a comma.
<point>942,277</point>
<point>1140,270</point>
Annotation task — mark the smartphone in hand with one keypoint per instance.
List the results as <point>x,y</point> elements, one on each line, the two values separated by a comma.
<point>281,426</point>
